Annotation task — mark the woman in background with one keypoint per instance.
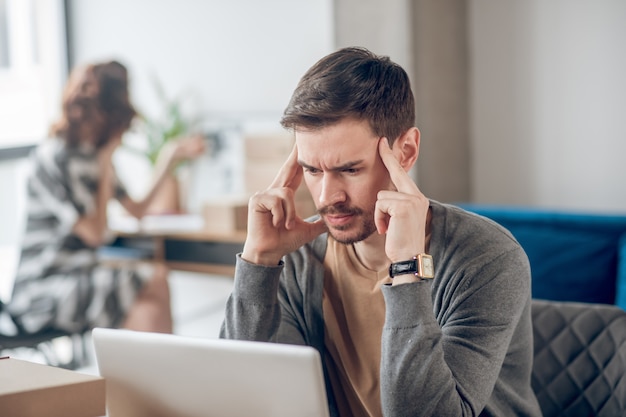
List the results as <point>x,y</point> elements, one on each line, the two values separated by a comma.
<point>60,282</point>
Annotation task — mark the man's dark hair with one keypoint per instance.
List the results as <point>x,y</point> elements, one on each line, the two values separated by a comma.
<point>353,83</point>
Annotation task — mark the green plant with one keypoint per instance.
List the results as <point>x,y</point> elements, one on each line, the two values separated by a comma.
<point>170,124</point>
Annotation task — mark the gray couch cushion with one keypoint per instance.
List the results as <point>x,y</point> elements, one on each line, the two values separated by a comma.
<point>580,358</point>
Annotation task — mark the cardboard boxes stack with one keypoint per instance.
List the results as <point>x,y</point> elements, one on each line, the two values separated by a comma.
<point>264,155</point>
<point>30,389</point>
<point>226,216</point>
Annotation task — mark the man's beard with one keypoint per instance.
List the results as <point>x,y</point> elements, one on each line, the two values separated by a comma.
<point>367,225</point>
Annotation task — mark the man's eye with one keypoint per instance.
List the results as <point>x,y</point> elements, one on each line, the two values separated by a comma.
<point>312,171</point>
<point>351,170</point>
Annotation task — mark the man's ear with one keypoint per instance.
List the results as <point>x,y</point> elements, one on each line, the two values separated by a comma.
<point>406,148</point>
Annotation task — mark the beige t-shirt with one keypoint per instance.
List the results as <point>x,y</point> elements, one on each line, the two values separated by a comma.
<point>354,315</point>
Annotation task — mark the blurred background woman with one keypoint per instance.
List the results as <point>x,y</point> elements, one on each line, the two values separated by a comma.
<point>60,282</point>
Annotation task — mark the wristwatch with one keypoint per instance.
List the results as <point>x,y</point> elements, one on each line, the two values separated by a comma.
<point>421,266</point>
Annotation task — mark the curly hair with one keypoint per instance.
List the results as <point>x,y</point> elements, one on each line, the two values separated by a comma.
<point>353,82</point>
<point>96,105</point>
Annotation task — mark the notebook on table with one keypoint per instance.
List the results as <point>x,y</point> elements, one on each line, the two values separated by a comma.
<point>159,375</point>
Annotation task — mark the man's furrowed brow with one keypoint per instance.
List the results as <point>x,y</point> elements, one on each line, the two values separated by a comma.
<point>344,166</point>
<point>304,164</point>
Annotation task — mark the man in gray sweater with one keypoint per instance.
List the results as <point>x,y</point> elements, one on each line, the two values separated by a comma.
<point>417,308</point>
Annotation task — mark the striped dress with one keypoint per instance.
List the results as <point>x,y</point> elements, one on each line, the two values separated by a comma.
<point>60,282</point>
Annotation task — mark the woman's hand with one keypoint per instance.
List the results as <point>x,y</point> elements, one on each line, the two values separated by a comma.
<point>171,154</point>
<point>105,153</point>
<point>182,149</point>
<point>91,228</point>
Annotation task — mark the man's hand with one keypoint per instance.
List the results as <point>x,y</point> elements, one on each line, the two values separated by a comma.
<point>401,214</point>
<point>274,228</point>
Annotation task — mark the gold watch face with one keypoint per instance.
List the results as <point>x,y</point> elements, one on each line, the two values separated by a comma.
<point>428,269</point>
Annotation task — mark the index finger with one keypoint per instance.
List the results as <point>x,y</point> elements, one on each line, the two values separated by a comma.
<point>290,174</point>
<point>399,177</point>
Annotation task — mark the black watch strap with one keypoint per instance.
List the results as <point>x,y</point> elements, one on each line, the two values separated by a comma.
<point>421,266</point>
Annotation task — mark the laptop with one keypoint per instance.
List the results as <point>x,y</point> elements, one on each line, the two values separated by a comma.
<point>159,375</point>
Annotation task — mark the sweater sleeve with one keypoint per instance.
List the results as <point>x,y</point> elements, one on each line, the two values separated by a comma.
<point>281,303</point>
<point>449,364</point>
<point>254,310</point>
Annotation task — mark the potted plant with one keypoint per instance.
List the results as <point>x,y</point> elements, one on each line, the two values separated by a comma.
<point>170,124</point>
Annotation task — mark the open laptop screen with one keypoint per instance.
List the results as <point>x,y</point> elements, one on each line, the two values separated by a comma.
<point>158,375</point>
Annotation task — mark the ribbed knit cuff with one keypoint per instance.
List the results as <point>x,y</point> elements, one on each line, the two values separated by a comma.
<point>407,304</point>
<point>256,282</point>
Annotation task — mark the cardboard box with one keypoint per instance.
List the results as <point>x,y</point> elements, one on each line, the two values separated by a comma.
<point>265,154</point>
<point>30,389</point>
<point>225,216</point>
<point>258,175</point>
<point>275,146</point>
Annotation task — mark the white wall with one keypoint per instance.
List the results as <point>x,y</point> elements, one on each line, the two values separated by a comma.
<point>237,56</point>
<point>548,103</point>
<point>383,26</point>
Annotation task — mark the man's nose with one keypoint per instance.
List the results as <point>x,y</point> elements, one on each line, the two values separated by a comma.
<point>331,192</point>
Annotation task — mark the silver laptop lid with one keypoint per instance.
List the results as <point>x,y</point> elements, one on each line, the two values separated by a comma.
<point>158,375</point>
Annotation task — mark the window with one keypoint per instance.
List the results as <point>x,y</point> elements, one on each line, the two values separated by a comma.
<point>33,68</point>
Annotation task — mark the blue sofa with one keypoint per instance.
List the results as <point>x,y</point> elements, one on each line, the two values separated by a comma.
<point>573,256</point>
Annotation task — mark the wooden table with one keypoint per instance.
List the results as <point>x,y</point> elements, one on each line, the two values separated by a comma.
<point>195,251</point>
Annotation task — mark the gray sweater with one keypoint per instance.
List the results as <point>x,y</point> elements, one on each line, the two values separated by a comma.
<point>458,345</point>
